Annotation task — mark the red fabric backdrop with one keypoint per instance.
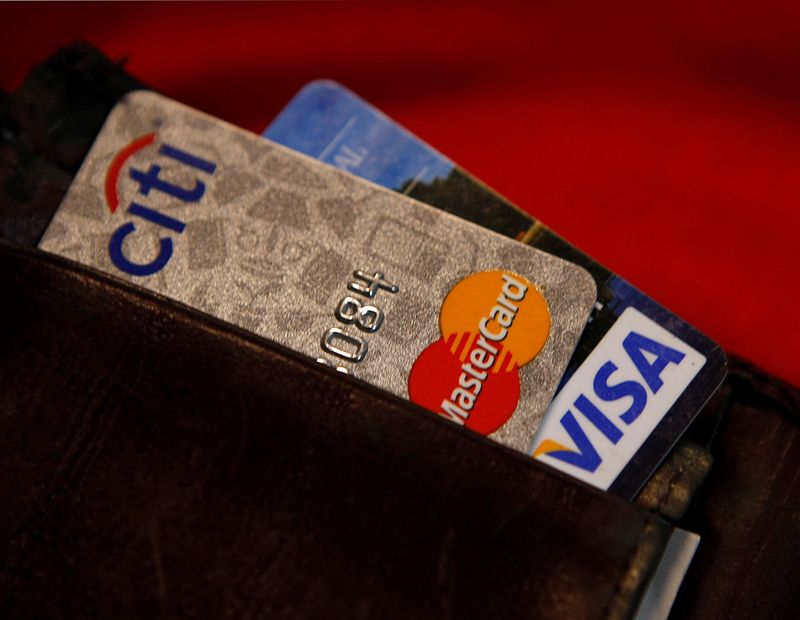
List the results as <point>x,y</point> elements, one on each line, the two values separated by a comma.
<point>663,140</point>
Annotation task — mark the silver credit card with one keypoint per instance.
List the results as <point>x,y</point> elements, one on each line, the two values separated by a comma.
<point>463,321</point>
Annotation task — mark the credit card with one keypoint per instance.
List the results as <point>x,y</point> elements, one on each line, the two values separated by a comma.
<point>474,326</point>
<point>639,374</point>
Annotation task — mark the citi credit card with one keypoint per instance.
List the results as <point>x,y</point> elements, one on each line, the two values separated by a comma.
<point>459,319</point>
<point>639,374</point>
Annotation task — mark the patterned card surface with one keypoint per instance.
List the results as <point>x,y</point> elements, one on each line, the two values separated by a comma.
<point>466,322</point>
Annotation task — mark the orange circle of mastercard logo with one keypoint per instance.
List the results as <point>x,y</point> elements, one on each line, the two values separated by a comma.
<point>492,323</point>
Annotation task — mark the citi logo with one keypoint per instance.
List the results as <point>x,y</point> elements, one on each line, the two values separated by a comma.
<point>615,400</point>
<point>151,182</point>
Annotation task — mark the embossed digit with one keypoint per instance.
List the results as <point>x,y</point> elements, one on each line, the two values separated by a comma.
<point>335,337</point>
<point>366,318</point>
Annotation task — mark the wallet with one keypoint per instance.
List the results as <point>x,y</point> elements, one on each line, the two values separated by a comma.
<point>157,461</point>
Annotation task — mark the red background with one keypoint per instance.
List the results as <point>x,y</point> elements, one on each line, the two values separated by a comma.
<point>662,140</point>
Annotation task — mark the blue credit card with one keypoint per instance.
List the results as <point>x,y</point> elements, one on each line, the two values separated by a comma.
<point>639,374</point>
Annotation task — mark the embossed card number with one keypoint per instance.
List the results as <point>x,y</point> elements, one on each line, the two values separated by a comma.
<point>365,317</point>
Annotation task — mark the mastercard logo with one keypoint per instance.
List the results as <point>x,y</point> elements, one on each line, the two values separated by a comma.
<point>492,323</point>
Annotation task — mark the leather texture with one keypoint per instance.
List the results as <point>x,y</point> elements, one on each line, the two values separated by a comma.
<point>747,510</point>
<point>158,463</point>
<point>46,128</point>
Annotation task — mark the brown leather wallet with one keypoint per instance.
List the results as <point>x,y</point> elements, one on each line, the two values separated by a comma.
<point>156,461</point>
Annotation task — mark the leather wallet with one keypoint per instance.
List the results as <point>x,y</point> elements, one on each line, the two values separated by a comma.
<point>157,461</point>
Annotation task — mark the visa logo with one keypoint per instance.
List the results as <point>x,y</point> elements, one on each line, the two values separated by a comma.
<point>609,407</point>
<point>154,184</point>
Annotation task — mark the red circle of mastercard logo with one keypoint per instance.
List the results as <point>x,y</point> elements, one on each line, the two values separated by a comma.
<point>492,323</point>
